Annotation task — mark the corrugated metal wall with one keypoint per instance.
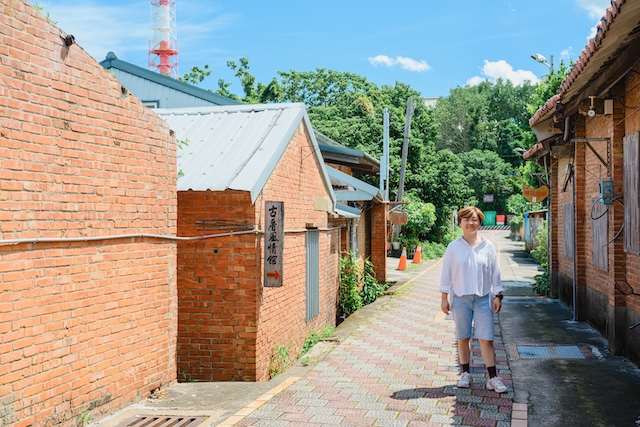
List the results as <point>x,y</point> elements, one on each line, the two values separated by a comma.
<point>313,274</point>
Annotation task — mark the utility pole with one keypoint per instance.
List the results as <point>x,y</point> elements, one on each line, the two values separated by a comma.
<point>395,235</point>
<point>384,161</point>
<point>405,148</point>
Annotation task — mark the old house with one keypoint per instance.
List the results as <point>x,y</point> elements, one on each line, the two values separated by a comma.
<point>365,233</point>
<point>588,138</point>
<point>159,91</point>
<point>266,269</point>
<point>88,218</point>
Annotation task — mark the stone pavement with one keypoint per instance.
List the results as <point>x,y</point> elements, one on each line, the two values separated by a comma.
<point>398,368</point>
<point>394,363</point>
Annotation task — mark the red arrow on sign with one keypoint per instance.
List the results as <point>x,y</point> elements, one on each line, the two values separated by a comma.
<point>275,275</point>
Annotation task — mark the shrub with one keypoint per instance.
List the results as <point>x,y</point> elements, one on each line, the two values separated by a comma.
<point>371,289</point>
<point>349,298</point>
<point>539,253</point>
<point>515,224</point>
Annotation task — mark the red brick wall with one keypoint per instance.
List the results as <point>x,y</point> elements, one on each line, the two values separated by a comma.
<point>282,316</point>
<point>379,220</point>
<point>218,284</point>
<point>599,302</point>
<point>86,325</point>
<point>229,325</point>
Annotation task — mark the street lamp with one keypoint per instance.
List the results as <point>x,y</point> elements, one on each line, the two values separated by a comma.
<point>541,59</point>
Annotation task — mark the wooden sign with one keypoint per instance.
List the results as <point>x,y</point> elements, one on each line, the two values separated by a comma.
<point>535,195</point>
<point>398,218</point>
<point>273,243</point>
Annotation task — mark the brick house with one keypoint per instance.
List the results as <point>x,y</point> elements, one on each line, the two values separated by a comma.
<point>240,159</point>
<point>88,209</point>
<point>364,232</point>
<point>363,222</point>
<point>588,141</point>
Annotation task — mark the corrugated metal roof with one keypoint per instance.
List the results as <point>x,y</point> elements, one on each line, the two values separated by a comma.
<point>235,147</point>
<point>112,62</point>
<point>356,190</point>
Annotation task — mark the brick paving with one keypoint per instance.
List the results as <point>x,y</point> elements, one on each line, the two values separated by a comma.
<point>398,368</point>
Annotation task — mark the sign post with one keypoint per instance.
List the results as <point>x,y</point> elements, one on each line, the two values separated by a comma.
<point>273,243</point>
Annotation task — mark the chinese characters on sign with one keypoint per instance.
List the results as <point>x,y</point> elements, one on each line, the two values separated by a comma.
<point>273,243</point>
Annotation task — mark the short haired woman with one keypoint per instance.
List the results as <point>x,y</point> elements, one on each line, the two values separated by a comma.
<point>471,290</point>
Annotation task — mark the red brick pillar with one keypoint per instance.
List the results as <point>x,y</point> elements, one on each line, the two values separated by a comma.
<point>379,219</point>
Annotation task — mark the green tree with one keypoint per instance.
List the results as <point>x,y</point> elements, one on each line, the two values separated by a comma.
<point>489,174</point>
<point>422,217</point>
<point>196,75</point>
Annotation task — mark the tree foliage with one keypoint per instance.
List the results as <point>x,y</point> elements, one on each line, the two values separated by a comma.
<point>468,146</point>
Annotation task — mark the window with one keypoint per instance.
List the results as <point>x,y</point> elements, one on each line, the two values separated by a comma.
<point>151,104</point>
<point>631,189</point>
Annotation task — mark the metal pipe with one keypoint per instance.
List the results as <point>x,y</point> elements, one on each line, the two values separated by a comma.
<point>575,251</point>
<point>152,236</point>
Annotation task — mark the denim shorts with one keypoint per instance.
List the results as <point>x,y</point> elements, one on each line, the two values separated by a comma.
<point>472,308</point>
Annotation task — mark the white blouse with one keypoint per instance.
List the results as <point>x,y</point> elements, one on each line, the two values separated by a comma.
<point>470,270</point>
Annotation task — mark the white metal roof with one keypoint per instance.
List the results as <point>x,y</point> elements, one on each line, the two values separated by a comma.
<point>235,147</point>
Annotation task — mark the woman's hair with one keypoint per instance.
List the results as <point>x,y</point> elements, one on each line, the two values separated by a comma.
<point>468,211</point>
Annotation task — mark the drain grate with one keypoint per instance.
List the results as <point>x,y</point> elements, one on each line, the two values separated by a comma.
<point>162,421</point>
<point>524,299</point>
<point>550,352</point>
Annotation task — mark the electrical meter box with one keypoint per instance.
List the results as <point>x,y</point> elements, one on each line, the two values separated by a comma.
<point>606,191</point>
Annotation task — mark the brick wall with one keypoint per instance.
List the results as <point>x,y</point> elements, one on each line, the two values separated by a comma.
<point>86,325</point>
<point>379,229</point>
<point>217,287</point>
<point>282,316</point>
<point>229,324</point>
<point>598,300</point>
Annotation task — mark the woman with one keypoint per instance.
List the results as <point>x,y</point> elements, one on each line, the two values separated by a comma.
<point>471,277</point>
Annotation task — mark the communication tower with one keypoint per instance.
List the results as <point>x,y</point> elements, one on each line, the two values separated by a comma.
<point>163,43</point>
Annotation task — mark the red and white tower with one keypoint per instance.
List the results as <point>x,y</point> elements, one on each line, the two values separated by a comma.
<point>163,43</point>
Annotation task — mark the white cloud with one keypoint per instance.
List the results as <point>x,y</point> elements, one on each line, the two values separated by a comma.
<point>476,80</point>
<point>405,63</point>
<point>493,71</point>
<point>595,8</point>
<point>566,54</point>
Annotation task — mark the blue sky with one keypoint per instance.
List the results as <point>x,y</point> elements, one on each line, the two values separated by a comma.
<point>433,46</point>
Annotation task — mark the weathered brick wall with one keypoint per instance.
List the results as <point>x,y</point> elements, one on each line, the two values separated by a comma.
<point>87,325</point>
<point>218,284</point>
<point>282,316</point>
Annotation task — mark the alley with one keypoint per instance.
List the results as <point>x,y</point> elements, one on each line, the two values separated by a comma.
<point>393,363</point>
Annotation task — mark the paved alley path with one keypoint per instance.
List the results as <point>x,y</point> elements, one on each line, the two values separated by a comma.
<point>398,368</point>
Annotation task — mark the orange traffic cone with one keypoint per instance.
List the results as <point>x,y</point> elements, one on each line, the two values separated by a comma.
<point>417,257</point>
<point>402,265</point>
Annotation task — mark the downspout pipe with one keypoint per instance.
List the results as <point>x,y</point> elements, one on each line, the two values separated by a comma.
<point>575,243</point>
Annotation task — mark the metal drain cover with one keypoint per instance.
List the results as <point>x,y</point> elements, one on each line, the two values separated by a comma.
<point>526,300</point>
<point>162,421</point>
<point>550,352</point>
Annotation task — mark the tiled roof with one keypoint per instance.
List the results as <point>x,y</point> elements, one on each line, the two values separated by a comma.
<point>582,62</point>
